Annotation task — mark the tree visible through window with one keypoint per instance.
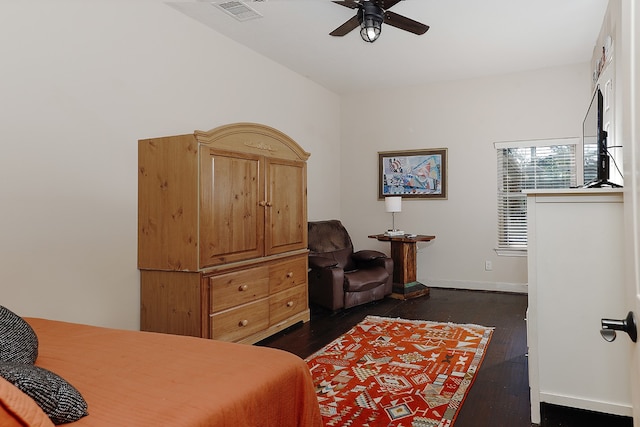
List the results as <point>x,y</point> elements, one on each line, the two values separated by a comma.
<point>528,165</point>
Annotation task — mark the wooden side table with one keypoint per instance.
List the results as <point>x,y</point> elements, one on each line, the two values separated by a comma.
<point>403,253</point>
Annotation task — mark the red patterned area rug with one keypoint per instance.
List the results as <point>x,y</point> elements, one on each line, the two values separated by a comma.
<point>396,372</point>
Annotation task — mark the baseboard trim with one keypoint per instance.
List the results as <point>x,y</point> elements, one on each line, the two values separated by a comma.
<point>589,405</point>
<point>519,288</point>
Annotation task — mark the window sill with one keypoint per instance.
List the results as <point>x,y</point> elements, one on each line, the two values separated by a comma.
<point>511,252</point>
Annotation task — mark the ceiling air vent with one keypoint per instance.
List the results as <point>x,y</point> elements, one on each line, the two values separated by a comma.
<point>238,9</point>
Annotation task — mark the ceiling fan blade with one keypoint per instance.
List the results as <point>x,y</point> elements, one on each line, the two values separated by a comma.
<point>404,23</point>
<point>387,4</point>
<point>347,3</point>
<point>347,27</point>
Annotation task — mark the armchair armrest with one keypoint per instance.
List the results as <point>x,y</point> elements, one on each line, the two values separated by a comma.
<point>369,258</point>
<point>367,255</point>
<point>326,282</point>
<point>321,262</point>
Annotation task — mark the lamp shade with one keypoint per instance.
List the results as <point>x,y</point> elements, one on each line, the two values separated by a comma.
<point>393,204</point>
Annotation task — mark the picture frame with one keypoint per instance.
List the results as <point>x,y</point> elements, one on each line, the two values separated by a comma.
<point>413,174</point>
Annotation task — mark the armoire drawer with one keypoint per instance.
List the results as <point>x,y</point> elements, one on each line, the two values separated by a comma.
<point>288,274</point>
<point>239,322</point>
<point>237,288</point>
<point>287,303</point>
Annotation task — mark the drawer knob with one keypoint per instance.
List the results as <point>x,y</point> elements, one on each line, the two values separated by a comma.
<point>244,322</point>
<point>243,288</point>
<point>290,304</point>
<point>290,275</point>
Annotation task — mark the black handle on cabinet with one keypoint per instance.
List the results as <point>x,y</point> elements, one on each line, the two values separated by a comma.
<point>628,325</point>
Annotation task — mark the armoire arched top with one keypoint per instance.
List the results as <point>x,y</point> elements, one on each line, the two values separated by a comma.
<point>253,138</point>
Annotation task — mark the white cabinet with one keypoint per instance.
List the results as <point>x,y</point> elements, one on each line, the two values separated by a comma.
<point>575,265</point>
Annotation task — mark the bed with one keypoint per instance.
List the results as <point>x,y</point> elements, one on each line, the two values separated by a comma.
<point>142,379</point>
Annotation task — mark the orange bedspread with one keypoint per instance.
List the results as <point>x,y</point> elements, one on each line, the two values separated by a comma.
<point>143,379</point>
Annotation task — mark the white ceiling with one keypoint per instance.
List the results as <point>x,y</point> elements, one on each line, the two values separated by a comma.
<point>467,38</point>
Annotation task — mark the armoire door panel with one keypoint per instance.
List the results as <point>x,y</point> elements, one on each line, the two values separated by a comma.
<point>286,208</point>
<point>231,215</point>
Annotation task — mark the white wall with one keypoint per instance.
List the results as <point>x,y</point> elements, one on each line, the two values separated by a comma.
<point>82,81</point>
<point>466,117</point>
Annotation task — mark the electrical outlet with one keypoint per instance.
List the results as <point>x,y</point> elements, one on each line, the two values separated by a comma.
<point>488,266</point>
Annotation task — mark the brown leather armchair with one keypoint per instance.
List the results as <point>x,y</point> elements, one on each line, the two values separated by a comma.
<point>338,276</point>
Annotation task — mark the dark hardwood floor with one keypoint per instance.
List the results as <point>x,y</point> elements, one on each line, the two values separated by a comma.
<point>500,395</point>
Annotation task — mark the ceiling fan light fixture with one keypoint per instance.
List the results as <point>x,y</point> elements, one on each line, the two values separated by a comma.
<point>370,16</point>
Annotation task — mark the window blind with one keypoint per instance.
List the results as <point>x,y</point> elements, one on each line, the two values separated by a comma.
<point>528,167</point>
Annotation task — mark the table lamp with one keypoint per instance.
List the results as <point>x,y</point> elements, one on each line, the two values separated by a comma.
<point>393,204</point>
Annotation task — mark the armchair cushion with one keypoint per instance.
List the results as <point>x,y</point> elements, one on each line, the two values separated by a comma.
<point>344,258</point>
<point>364,280</point>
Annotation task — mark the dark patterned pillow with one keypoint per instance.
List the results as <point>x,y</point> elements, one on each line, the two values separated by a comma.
<point>57,398</point>
<point>18,341</point>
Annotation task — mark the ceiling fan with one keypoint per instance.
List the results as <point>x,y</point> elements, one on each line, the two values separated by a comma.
<point>370,16</point>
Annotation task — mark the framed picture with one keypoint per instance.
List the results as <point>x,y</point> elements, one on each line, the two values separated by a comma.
<point>419,174</point>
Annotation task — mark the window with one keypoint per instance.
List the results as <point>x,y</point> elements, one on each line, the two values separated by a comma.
<point>529,165</point>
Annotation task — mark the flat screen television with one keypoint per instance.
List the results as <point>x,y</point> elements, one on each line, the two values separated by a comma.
<point>594,146</point>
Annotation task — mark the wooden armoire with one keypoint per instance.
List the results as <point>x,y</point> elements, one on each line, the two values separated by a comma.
<point>222,233</point>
